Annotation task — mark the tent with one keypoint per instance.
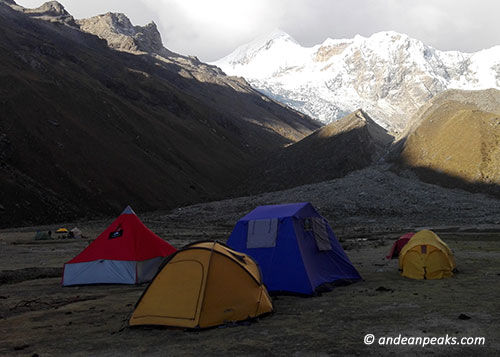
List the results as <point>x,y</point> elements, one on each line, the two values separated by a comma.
<point>127,252</point>
<point>203,285</point>
<point>295,248</point>
<point>61,233</point>
<point>426,256</point>
<point>75,233</point>
<point>41,236</point>
<point>399,244</point>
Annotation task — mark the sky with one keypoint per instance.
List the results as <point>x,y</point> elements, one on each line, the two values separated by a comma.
<point>211,29</point>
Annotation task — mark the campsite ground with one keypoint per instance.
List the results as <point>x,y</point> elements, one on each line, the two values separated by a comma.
<point>39,317</point>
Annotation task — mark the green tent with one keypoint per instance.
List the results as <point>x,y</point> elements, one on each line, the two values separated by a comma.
<point>42,236</point>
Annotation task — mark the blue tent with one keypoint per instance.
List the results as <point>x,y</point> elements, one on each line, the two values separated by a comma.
<point>295,247</point>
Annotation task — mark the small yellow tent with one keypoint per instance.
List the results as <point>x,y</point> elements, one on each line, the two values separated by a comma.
<point>426,256</point>
<point>205,284</point>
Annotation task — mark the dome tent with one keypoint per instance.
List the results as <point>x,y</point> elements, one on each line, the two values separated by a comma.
<point>205,284</point>
<point>426,256</point>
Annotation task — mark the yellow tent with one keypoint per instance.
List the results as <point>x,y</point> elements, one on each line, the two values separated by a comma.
<point>62,230</point>
<point>426,256</point>
<point>205,284</point>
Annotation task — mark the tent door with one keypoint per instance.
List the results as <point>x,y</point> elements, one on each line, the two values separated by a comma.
<point>183,295</point>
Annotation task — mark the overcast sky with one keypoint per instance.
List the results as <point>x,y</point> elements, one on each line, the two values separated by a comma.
<point>211,29</point>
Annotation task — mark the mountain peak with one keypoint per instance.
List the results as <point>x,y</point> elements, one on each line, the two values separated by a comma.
<point>355,120</point>
<point>53,7</point>
<point>122,35</point>
<point>114,22</point>
<point>392,37</point>
<point>117,21</point>
<point>389,34</point>
<point>52,11</point>
<point>271,39</point>
<point>389,74</point>
<point>278,34</point>
<point>265,52</point>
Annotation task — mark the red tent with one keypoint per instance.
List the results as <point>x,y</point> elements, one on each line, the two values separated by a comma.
<point>399,244</point>
<point>127,252</point>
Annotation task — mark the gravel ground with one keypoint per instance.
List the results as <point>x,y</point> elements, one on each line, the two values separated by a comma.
<point>368,209</point>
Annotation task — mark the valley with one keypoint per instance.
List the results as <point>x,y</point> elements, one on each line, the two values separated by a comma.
<point>86,129</point>
<point>384,135</point>
<point>367,212</point>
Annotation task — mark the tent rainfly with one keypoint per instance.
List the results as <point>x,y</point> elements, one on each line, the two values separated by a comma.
<point>127,252</point>
<point>399,244</point>
<point>426,256</point>
<point>203,285</point>
<point>295,248</point>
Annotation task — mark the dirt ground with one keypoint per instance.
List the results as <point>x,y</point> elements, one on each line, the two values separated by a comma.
<point>39,317</point>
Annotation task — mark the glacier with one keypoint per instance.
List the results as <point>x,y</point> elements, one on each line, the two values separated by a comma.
<point>389,75</point>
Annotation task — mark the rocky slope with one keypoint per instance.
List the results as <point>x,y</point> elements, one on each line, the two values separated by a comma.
<point>86,129</point>
<point>346,145</point>
<point>117,30</point>
<point>371,199</point>
<point>455,140</point>
<point>485,100</point>
<point>389,74</point>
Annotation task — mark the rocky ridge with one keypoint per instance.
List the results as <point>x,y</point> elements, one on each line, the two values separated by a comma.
<point>348,144</point>
<point>121,35</point>
<point>51,11</point>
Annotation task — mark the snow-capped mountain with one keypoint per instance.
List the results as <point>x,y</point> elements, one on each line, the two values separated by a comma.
<point>389,75</point>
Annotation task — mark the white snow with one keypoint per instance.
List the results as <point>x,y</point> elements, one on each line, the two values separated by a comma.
<point>389,74</point>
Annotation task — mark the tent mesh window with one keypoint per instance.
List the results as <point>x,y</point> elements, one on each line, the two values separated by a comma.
<point>308,224</point>
<point>262,233</point>
<point>321,234</point>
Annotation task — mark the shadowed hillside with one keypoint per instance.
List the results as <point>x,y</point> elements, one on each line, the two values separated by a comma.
<point>85,129</point>
<point>455,141</point>
<point>349,144</point>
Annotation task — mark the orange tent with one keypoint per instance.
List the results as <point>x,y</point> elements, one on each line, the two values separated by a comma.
<point>426,256</point>
<point>203,285</point>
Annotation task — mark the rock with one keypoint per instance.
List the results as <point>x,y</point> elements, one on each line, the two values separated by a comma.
<point>52,11</point>
<point>20,347</point>
<point>121,35</point>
